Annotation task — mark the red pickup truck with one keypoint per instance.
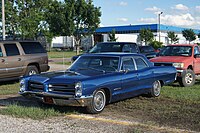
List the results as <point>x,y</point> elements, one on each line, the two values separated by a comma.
<point>186,59</point>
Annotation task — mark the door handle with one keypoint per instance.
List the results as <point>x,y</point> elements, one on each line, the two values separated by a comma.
<point>2,60</point>
<point>19,59</point>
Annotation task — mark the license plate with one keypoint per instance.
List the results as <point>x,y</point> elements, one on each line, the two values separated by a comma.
<point>48,100</point>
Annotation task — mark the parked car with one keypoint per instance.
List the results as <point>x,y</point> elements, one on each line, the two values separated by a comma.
<point>103,47</point>
<point>186,59</point>
<point>95,80</point>
<point>19,58</point>
<point>148,51</point>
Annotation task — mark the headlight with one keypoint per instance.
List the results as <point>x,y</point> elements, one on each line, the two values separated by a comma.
<point>22,85</point>
<point>78,89</point>
<point>178,65</point>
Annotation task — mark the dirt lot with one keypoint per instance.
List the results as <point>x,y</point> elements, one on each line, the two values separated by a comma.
<point>117,117</point>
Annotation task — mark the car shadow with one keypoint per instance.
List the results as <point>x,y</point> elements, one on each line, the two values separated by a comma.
<point>24,102</point>
<point>9,82</point>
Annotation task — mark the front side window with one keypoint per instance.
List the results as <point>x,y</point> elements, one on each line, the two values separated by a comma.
<point>127,64</point>
<point>196,50</point>
<point>1,54</point>
<point>11,49</point>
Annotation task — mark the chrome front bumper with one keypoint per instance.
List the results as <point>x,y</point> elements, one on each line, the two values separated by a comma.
<point>59,99</point>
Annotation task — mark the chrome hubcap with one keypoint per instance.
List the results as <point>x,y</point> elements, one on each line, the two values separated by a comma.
<point>188,78</point>
<point>99,101</point>
<point>156,88</point>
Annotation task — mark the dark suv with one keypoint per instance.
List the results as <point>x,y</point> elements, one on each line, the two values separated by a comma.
<point>21,58</point>
<point>112,47</point>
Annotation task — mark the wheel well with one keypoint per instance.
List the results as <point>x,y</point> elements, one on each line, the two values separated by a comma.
<point>190,67</point>
<point>35,64</point>
<point>107,91</point>
<point>161,82</point>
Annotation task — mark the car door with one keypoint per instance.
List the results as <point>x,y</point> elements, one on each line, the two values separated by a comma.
<point>13,61</point>
<point>196,60</point>
<point>145,74</point>
<point>3,70</point>
<point>129,78</point>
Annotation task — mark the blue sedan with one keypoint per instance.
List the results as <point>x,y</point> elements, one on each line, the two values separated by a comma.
<point>95,80</point>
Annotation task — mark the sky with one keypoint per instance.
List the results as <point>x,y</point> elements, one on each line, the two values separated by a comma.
<point>181,13</point>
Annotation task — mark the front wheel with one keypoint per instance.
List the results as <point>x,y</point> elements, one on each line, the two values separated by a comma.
<point>156,88</point>
<point>98,102</point>
<point>187,79</point>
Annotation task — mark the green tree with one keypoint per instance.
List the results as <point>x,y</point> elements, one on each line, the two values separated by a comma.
<point>156,44</point>
<point>189,35</point>
<point>25,18</point>
<point>76,18</point>
<point>173,38</point>
<point>146,35</point>
<point>112,37</point>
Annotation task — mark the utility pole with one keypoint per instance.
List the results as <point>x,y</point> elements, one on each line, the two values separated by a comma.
<point>3,21</point>
<point>159,23</point>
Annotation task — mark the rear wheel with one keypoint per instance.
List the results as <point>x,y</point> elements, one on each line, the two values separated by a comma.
<point>156,88</point>
<point>98,102</point>
<point>187,79</point>
<point>31,70</point>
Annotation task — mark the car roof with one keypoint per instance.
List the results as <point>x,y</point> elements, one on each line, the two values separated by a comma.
<point>2,41</point>
<point>117,43</point>
<point>182,45</point>
<point>119,54</point>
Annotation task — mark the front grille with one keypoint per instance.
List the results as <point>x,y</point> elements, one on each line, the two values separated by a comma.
<point>162,64</point>
<point>62,88</point>
<point>35,86</point>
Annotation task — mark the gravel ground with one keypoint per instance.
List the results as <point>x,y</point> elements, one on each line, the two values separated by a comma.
<point>66,124</point>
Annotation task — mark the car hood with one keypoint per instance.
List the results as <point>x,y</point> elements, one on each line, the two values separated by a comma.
<point>170,59</point>
<point>64,76</point>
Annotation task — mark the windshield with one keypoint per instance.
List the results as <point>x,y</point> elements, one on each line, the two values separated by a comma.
<point>176,51</point>
<point>146,49</point>
<point>96,63</point>
<point>114,47</point>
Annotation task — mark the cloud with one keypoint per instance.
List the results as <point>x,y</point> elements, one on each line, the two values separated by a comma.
<point>180,7</point>
<point>198,8</point>
<point>122,19</point>
<point>183,20</point>
<point>122,3</point>
<point>153,9</point>
<point>148,20</point>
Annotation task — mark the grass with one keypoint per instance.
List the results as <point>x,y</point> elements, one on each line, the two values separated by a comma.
<point>191,94</point>
<point>8,88</point>
<point>65,54</point>
<point>29,112</point>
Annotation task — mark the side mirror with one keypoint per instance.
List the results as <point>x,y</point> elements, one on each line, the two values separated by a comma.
<point>197,56</point>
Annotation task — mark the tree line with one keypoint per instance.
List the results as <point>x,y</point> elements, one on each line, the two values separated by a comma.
<point>146,36</point>
<point>27,19</point>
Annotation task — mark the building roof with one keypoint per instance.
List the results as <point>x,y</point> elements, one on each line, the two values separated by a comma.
<point>136,28</point>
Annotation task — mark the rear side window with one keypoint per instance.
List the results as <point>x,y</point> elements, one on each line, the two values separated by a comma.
<point>140,63</point>
<point>32,47</point>
<point>11,49</point>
